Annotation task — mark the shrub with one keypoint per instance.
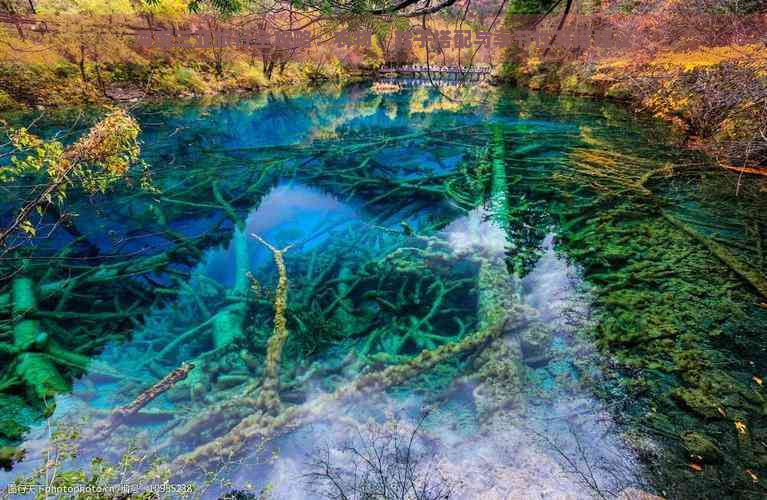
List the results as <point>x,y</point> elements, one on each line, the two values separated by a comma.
<point>248,76</point>
<point>6,101</point>
<point>180,80</point>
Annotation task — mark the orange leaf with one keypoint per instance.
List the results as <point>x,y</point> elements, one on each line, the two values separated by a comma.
<point>740,426</point>
<point>696,467</point>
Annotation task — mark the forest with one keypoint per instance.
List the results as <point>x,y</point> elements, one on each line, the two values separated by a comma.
<point>529,267</point>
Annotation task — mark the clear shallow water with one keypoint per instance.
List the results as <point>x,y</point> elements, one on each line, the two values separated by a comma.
<point>623,333</point>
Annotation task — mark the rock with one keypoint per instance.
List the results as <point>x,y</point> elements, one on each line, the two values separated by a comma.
<point>701,448</point>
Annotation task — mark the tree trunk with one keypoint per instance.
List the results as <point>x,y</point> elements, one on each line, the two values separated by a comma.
<point>82,64</point>
<point>37,370</point>
<point>227,325</point>
<point>502,371</point>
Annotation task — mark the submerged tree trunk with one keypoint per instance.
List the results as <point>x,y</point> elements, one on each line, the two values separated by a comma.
<point>500,368</point>
<point>227,325</point>
<point>36,369</point>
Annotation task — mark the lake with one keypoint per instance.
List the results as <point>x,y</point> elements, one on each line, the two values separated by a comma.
<point>487,292</point>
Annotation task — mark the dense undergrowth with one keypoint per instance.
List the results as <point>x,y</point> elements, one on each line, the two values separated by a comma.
<point>62,84</point>
<point>82,52</point>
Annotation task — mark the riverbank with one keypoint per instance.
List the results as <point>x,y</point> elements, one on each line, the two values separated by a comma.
<point>60,85</point>
<point>715,96</point>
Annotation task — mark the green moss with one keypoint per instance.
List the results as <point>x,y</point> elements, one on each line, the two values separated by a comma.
<point>9,456</point>
<point>698,401</point>
<point>701,448</point>
<point>10,429</point>
<point>43,380</point>
<point>15,417</point>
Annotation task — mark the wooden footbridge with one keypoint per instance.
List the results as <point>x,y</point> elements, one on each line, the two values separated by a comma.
<point>473,73</point>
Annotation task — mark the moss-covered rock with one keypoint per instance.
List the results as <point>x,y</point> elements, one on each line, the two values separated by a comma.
<point>501,378</point>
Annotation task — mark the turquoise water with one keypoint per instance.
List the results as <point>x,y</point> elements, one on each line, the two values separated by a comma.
<point>626,348</point>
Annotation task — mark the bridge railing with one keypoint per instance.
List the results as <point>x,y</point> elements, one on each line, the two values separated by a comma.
<point>417,68</point>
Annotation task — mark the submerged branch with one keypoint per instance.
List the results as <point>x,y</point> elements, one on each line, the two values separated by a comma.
<point>751,276</point>
<point>280,334</point>
<point>261,426</point>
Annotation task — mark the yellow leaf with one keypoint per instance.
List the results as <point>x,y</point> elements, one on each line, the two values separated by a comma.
<point>753,476</point>
<point>757,380</point>
<point>740,426</point>
<point>28,228</point>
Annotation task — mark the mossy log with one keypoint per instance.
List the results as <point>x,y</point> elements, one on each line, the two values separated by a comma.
<point>500,370</point>
<point>36,370</point>
<point>280,333</point>
<point>120,415</point>
<point>500,191</point>
<point>228,323</point>
<point>261,426</point>
<point>95,276</point>
<point>754,278</point>
<point>24,306</point>
<point>41,376</point>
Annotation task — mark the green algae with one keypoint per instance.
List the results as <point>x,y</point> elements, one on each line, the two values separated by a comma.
<point>668,300</point>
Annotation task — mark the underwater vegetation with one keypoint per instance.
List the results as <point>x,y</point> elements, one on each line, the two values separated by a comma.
<point>518,265</point>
